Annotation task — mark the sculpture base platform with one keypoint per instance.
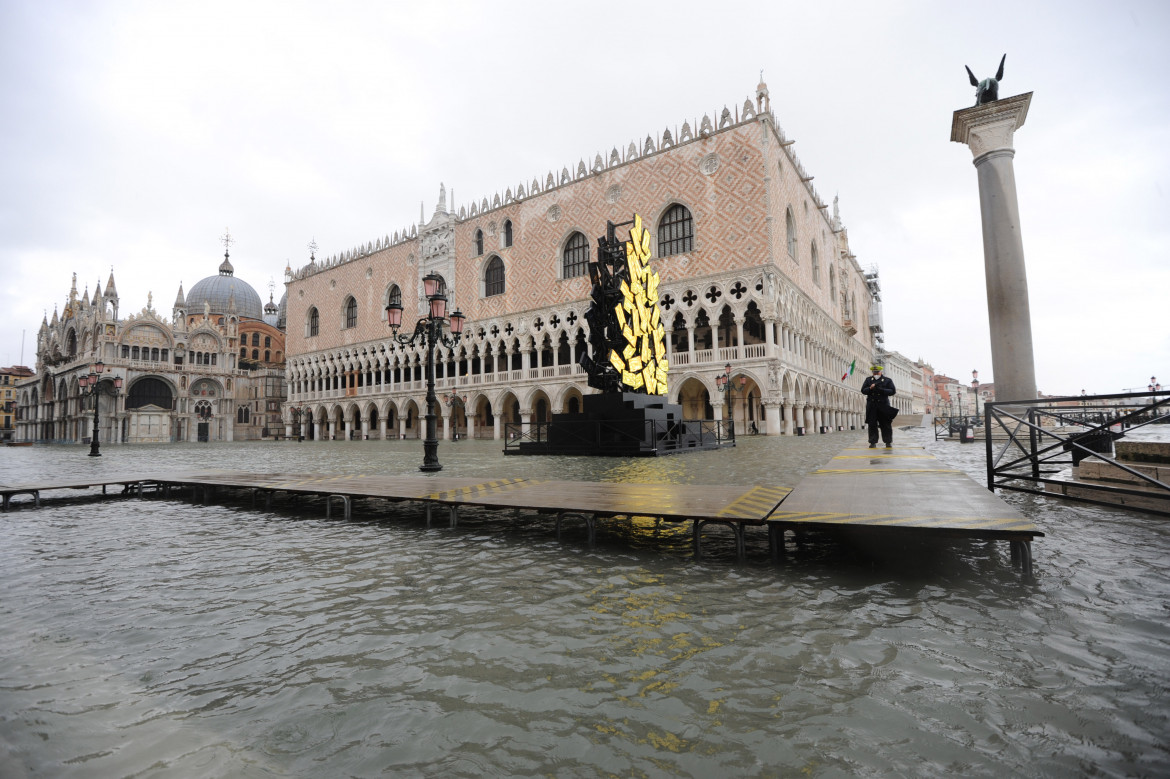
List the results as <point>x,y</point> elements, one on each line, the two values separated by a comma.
<point>620,425</point>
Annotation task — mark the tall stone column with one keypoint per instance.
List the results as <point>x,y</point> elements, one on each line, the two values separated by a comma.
<point>988,130</point>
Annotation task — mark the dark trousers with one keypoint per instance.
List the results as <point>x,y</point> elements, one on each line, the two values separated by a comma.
<point>886,429</point>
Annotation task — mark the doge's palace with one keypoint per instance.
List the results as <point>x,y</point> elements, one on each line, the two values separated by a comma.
<point>756,274</point>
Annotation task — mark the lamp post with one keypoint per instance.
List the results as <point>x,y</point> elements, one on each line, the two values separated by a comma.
<point>975,391</point>
<point>725,385</point>
<point>92,384</point>
<point>430,330</point>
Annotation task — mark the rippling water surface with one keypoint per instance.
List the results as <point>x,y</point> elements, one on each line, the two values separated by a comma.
<point>159,638</point>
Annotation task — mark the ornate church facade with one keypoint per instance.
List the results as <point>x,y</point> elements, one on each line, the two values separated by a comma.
<point>213,371</point>
<point>758,283</point>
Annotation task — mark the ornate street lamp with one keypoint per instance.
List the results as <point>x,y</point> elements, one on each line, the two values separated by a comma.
<point>92,385</point>
<point>975,390</point>
<point>725,385</point>
<point>430,330</point>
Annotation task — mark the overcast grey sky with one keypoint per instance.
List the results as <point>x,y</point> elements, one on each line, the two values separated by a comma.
<point>134,133</point>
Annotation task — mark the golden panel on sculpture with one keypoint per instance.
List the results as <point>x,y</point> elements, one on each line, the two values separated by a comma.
<point>640,318</point>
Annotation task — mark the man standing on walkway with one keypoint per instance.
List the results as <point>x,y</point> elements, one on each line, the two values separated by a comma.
<point>878,411</point>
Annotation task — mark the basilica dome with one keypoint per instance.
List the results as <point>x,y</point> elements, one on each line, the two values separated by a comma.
<point>216,291</point>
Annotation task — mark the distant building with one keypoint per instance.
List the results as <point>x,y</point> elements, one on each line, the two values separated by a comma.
<point>907,380</point>
<point>213,371</point>
<point>929,395</point>
<point>8,394</point>
<point>951,396</point>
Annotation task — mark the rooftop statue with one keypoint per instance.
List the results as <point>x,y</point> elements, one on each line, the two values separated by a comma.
<point>987,90</point>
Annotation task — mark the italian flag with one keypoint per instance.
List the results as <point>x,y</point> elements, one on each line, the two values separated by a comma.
<point>849,372</point>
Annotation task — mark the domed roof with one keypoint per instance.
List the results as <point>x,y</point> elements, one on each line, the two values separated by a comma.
<point>216,291</point>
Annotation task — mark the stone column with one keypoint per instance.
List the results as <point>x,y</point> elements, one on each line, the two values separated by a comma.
<point>989,131</point>
<point>382,427</point>
<point>772,417</point>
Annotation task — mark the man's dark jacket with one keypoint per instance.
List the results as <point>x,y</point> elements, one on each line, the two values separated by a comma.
<point>877,406</point>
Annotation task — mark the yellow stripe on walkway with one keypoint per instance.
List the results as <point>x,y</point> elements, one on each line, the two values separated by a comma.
<point>868,456</point>
<point>886,520</point>
<point>883,470</point>
<point>756,502</point>
<point>487,487</point>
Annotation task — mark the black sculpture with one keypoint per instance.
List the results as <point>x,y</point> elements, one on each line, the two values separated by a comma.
<point>626,333</point>
<point>987,90</point>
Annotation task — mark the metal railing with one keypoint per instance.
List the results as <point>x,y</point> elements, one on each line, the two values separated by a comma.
<point>618,437</point>
<point>950,426</point>
<point>1035,440</point>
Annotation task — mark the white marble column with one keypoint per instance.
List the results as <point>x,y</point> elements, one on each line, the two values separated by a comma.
<point>772,417</point>
<point>988,130</point>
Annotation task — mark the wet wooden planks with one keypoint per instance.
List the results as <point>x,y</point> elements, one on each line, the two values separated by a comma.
<point>902,489</point>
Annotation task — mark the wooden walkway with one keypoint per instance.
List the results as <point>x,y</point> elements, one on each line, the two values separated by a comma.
<point>901,490</point>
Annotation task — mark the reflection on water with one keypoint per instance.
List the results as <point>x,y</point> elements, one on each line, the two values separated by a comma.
<point>160,638</point>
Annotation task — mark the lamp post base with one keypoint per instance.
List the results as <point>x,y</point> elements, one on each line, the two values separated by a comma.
<point>431,453</point>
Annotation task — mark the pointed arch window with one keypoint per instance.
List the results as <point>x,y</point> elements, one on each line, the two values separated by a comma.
<point>493,277</point>
<point>676,231</point>
<point>394,296</point>
<point>350,312</point>
<point>575,258</point>
<point>479,243</point>
<point>507,233</point>
<point>314,323</point>
<point>790,226</point>
<point>816,264</point>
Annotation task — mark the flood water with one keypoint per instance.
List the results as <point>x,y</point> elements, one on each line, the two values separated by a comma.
<point>156,638</point>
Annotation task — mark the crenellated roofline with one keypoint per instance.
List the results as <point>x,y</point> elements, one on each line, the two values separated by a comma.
<point>728,120</point>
